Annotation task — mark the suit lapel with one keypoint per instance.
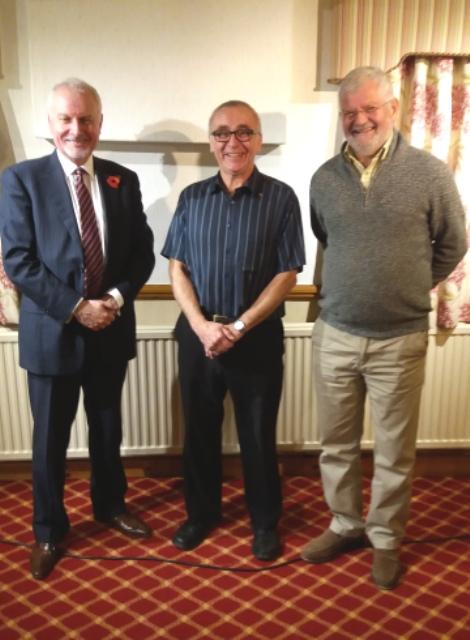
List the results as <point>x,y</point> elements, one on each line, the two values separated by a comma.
<point>59,195</point>
<point>110,188</point>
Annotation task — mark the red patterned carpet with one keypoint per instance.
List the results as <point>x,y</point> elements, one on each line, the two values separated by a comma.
<point>109,587</point>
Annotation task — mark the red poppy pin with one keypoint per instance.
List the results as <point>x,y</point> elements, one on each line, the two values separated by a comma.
<point>113,181</point>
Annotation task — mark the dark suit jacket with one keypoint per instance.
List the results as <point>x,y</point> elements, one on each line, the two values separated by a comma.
<point>43,256</point>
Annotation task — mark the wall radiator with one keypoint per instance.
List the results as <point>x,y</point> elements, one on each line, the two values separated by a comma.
<point>152,417</point>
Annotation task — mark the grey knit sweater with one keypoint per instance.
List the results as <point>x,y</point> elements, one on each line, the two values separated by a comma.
<point>385,247</point>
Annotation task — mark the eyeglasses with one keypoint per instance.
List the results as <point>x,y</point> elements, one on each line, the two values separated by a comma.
<point>243,134</point>
<point>369,111</point>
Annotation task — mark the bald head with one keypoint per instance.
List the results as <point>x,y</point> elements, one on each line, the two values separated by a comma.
<point>229,104</point>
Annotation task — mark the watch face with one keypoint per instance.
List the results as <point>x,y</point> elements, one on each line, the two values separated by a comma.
<point>239,325</point>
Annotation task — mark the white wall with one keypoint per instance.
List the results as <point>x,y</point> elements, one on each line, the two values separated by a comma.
<point>161,66</point>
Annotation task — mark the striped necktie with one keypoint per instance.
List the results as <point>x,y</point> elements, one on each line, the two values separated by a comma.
<point>91,241</point>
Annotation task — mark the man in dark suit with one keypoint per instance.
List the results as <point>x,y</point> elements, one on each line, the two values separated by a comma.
<point>77,321</point>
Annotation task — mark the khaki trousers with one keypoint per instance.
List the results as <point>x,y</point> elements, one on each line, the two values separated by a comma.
<point>391,373</point>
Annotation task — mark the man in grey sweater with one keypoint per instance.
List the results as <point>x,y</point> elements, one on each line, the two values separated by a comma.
<point>391,225</point>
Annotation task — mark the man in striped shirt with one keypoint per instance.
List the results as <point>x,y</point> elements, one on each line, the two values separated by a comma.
<point>235,246</point>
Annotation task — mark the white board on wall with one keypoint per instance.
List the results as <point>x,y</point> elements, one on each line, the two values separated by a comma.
<point>158,64</point>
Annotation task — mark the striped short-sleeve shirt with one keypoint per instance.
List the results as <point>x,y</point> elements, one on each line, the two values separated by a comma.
<point>233,246</point>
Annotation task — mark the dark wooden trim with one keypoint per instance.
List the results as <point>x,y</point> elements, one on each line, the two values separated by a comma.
<point>164,292</point>
<point>156,292</point>
<point>303,292</point>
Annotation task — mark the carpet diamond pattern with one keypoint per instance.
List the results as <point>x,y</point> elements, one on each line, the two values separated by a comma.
<point>110,587</point>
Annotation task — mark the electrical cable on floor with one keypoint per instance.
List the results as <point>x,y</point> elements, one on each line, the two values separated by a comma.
<point>214,567</point>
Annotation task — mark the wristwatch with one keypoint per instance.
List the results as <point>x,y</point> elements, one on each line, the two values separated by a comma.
<point>239,325</point>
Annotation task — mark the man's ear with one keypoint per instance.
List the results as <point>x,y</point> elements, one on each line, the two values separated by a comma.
<point>395,105</point>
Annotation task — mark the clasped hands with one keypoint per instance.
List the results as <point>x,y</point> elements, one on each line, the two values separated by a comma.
<point>97,314</point>
<point>218,338</point>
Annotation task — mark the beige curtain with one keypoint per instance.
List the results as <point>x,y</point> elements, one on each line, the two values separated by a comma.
<point>434,93</point>
<point>380,32</point>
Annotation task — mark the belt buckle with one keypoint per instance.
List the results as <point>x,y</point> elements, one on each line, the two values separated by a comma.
<point>221,319</point>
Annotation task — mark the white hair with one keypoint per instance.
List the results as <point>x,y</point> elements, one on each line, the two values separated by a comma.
<point>357,77</point>
<point>75,84</point>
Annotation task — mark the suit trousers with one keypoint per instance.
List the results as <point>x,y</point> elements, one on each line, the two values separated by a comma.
<point>391,373</point>
<point>54,402</point>
<point>252,372</point>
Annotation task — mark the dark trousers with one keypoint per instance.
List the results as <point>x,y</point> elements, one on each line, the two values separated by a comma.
<point>252,372</point>
<point>54,402</point>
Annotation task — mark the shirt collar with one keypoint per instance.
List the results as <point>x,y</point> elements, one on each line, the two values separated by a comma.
<point>381,154</point>
<point>254,184</point>
<point>69,167</point>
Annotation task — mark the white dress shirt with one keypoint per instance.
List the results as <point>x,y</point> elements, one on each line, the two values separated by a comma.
<point>92,184</point>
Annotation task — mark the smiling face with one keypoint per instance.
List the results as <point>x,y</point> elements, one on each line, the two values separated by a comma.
<point>236,159</point>
<point>367,130</point>
<point>75,123</point>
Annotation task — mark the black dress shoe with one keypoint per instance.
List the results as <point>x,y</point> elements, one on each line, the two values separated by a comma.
<point>266,544</point>
<point>191,534</point>
<point>44,557</point>
<point>130,525</point>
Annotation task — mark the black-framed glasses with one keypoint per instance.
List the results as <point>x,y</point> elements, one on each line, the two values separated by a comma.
<point>369,111</point>
<point>243,134</point>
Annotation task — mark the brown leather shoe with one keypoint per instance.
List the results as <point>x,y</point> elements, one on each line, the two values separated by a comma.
<point>44,557</point>
<point>130,525</point>
<point>329,545</point>
<point>386,568</point>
